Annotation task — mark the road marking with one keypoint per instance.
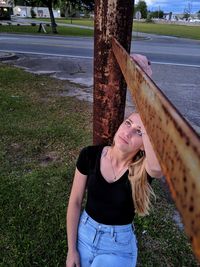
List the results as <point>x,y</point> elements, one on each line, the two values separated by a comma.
<point>59,45</point>
<point>175,64</point>
<point>87,57</point>
<point>9,38</point>
<point>83,46</point>
<point>46,54</point>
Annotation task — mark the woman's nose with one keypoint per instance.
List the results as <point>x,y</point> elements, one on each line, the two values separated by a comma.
<point>129,132</point>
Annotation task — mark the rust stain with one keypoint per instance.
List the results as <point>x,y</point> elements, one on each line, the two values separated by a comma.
<point>109,84</point>
<point>176,144</point>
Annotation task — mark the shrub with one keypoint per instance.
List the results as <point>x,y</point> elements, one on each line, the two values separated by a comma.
<point>33,14</point>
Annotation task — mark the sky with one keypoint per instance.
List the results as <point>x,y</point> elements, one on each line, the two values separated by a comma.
<point>175,6</point>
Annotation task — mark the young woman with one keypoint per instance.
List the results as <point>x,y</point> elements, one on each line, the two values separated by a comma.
<point>117,180</point>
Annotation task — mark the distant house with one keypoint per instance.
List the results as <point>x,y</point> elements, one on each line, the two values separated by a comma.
<point>41,12</point>
<point>170,16</point>
<point>180,19</point>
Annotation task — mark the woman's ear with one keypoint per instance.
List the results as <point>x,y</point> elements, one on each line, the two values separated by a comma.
<point>142,153</point>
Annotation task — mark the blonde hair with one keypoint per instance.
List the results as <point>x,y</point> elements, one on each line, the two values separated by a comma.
<point>141,189</point>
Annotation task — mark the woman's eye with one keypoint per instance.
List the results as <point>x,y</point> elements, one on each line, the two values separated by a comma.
<point>139,132</point>
<point>127,123</point>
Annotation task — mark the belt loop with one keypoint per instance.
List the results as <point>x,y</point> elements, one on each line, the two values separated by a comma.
<point>85,218</point>
<point>112,231</point>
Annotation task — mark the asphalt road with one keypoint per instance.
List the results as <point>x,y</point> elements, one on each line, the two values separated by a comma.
<point>175,64</point>
<point>159,49</point>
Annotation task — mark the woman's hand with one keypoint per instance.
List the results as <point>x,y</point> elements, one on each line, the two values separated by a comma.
<point>73,259</point>
<point>143,62</point>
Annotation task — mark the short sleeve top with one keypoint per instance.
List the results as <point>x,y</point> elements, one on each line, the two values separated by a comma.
<point>107,203</point>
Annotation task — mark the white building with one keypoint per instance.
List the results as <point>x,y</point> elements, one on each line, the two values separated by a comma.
<point>41,12</point>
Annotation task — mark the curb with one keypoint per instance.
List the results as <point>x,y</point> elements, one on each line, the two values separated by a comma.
<point>7,56</point>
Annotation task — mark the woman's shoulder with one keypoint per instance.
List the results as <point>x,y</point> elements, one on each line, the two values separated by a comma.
<point>92,149</point>
<point>88,157</point>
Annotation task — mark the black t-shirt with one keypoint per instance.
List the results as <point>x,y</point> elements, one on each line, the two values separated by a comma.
<point>107,203</point>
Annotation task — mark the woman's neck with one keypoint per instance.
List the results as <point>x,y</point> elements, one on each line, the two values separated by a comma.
<point>119,157</point>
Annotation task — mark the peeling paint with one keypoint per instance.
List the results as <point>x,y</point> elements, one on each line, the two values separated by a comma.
<point>111,19</point>
<point>109,83</point>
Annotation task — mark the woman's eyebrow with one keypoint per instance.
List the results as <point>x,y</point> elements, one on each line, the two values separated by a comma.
<point>138,126</point>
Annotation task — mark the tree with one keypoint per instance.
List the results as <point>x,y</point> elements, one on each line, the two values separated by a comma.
<point>156,14</point>
<point>187,11</point>
<point>42,3</point>
<point>49,4</point>
<point>88,4</point>
<point>186,15</point>
<point>33,14</point>
<point>19,2</point>
<point>69,7</point>
<point>142,7</point>
<point>65,9</point>
<point>198,14</point>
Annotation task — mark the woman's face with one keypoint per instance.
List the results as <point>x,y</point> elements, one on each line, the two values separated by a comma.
<point>128,137</point>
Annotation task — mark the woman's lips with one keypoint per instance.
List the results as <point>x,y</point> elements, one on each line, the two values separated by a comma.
<point>124,140</point>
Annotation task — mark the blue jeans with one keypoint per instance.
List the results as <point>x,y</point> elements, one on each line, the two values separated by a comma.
<point>101,245</point>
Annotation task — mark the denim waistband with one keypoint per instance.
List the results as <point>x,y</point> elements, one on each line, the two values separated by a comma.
<point>106,228</point>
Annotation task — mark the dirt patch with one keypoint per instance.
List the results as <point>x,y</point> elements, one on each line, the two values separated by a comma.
<point>49,157</point>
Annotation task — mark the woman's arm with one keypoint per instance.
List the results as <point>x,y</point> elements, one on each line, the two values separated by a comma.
<point>73,215</point>
<point>152,165</point>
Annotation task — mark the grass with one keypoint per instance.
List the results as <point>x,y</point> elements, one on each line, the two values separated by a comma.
<point>161,243</point>
<point>62,30</point>
<point>41,136</point>
<point>191,32</point>
<point>75,21</point>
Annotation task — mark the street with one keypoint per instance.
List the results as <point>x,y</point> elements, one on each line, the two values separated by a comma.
<point>159,49</point>
<point>175,64</point>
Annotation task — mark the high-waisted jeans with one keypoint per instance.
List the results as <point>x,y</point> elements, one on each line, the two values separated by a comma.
<point>101,245</point>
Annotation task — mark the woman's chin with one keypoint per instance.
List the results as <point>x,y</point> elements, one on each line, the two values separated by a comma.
<point>122,146</point>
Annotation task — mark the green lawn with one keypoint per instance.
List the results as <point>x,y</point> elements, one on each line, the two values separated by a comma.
<point>191,32</point>
<point>75,21</point>
<point>42,133</point>
<point>66,31</point>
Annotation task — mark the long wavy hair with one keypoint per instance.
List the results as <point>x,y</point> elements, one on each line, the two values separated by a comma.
<point>142,191</point>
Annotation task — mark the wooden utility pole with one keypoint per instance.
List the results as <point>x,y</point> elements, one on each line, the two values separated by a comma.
<point>113,18</point>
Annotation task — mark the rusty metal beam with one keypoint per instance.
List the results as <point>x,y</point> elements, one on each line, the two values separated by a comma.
<point>112,18</point>
<point>176,144</point>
